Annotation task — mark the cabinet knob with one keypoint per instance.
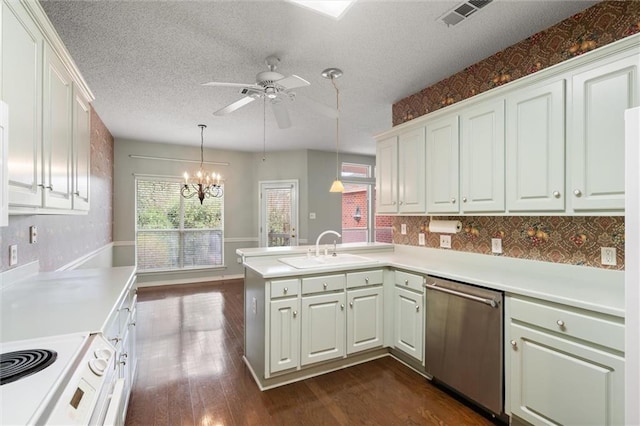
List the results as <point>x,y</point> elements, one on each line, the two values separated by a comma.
<point>351,304</point>
<point>115,339</point>
<point>417,308</point>
<point>342,306</point>
<point>464,199</point>
<point>285,290</point>
<point>295,314</point>
<point>514,344</point>
<point>577,193</point>
<point>400,203</point>
<point>132,324</point>
<point>393,203</point>
<point>453,201</point>
<point>560,323</point>
<point>366,280</point>
<point>556,194</point>
<point>324,285</point>
<point>406,282</point>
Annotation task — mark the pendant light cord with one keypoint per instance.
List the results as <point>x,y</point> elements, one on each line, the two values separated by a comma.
<point>202,126</point>
<point>333,81</point>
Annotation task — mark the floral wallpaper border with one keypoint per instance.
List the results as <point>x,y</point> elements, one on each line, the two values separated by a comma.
<point>561,239</point>
<point>596,26</point>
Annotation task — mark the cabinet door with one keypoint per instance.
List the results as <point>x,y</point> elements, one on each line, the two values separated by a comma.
<point>21,89</point>
<point>323,327</point>
<point>557,381</point>
<point>284,327</point>
<point>387,176</point>
<point>364,319</point>
<point>57,132</point>
<point>409,322</point>
<point>411,172</point>
<point>535,149</point>
<point>442,165</point>
<point>596,150</point>
<point>482,158</point>
<point>81,152</point>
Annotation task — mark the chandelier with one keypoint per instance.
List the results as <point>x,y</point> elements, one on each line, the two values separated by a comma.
<point>202,183</point>
<point>333,73</point>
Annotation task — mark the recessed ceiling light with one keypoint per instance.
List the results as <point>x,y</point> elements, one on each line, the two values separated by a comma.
<point>336,9</point>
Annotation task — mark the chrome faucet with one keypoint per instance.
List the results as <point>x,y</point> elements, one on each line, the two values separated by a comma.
<point>322,235</point>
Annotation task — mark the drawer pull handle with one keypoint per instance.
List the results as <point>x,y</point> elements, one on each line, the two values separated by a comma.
<point>366,280</point>
<point>295,314</point>
<point>406,282</point>
<point>285,290</point>
<point>514,344</point>
<point>560,323</point>
<point>324,285</point>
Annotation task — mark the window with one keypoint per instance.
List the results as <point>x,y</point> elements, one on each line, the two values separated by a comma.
<point>174,233</point>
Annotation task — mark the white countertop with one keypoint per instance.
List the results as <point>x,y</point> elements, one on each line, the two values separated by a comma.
<point>596,289</point>
<point>55,303</point>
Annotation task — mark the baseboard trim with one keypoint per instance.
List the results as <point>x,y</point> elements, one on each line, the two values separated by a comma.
<point>185,281</point>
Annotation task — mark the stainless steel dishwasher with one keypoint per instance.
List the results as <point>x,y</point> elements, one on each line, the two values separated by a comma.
<point>464,341</point>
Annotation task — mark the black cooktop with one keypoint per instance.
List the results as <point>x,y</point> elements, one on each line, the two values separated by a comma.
<point>18,364</point>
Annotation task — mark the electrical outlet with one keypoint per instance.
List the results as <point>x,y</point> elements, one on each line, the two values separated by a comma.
<point>33,234</point>
<point>496,245</point>
<point>312,215</point>
<point>608,256</point>
<point>421,241</point>
<point>13,255</point>
<point>445,241</point>
<point>403,229</point>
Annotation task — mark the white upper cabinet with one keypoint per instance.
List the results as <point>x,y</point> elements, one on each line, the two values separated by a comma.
<point>57,132</point>
<point>387,175</point>
<point>535,166</point>
<point>596,145</point>
<point>411,172</point>
<point>22,44</point>
<point>442,165</point>
<point>81,152</point>
<point>482,158</point>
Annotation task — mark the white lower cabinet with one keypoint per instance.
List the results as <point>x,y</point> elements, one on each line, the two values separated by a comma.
<point>284,328</point>
<point>322,327</point>
<point>566,365</point>
<point>409,322</point>
<point>365,319</point>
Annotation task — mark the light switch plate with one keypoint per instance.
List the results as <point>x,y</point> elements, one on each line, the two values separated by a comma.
<point>608,256</point>
<point>403,229</point>
<point>496,245</point>
<point>312,215</point>
<point>445,241</point>
<point>33,234</point>
<point>13,255</point>
<point>421,241</point>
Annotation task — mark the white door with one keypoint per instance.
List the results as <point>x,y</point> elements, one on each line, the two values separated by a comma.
<point>442,165</point>
<point>409,323</point>
<point>279,213</point>
<point>535,149</point>
<point>482,158</point>
<point>596,152</point>
<point>323,327</point>
<point>364,319</point>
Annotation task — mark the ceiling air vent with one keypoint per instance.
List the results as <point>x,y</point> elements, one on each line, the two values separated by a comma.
<point>462,11</point>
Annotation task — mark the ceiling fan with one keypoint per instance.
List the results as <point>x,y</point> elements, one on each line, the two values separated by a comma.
<point>270,85</point>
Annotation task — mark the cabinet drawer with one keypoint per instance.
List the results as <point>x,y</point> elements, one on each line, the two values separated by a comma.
<point>283,288</point>
<point>364,278</point>
<point>590,326</point>
<point>407,280</point>
<point>323,284</point>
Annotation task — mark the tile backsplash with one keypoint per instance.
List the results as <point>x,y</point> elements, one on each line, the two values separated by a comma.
<point>561,239</point>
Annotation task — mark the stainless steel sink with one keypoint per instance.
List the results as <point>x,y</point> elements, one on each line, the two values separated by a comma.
<point>341,259</point>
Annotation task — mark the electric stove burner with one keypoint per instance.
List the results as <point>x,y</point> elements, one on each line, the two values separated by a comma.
<point>19,364</point>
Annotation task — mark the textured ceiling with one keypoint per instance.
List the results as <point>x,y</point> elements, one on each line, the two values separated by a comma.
<point>145,61</point>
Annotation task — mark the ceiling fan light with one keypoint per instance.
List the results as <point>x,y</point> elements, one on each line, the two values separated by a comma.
<point>337,186</point>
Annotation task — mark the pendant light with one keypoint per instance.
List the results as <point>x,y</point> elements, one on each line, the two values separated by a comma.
<point>332,74</point>
<point>202,183</point>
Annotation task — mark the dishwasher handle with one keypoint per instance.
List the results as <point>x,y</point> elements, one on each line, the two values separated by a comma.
<point>491,302</point>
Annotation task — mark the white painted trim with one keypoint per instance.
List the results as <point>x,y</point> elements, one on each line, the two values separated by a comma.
<point>18,273</point>
<point>123,243</point>
<point>241,240</point>
<point>179,160</point>
<point>188,280</point>
<point>79,261</point>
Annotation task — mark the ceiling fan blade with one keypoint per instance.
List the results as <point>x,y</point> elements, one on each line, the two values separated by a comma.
<point>223,84</point>
<point>281,114</point>
<point>234,106</point>
<point>292,82</point>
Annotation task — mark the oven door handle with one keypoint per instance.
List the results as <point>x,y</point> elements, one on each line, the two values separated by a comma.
<point>491,302</point>
<point>115,405</point>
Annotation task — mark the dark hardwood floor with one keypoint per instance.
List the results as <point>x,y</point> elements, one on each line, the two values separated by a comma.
<point>190,372</point>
